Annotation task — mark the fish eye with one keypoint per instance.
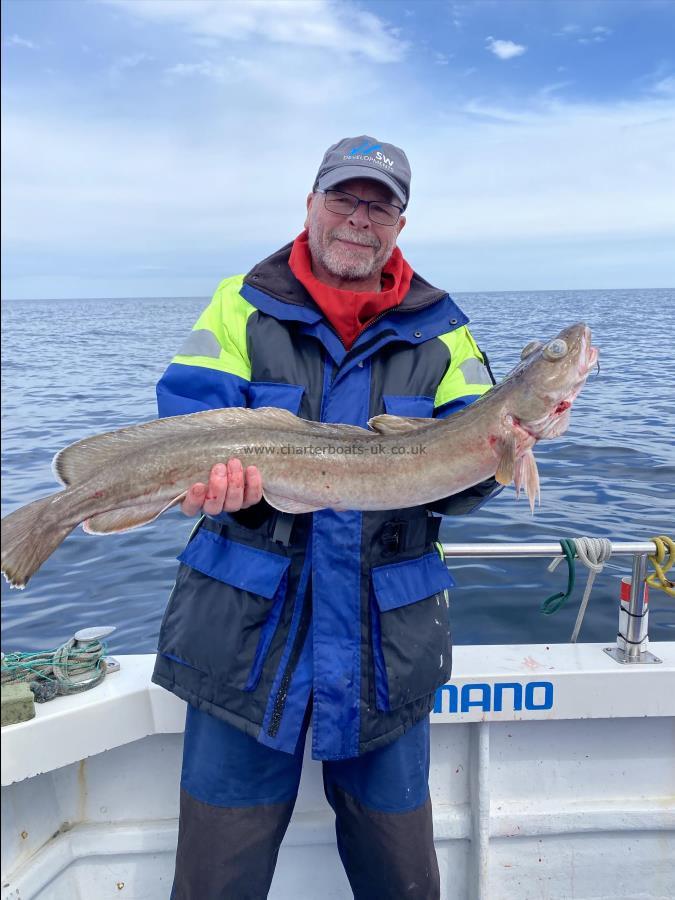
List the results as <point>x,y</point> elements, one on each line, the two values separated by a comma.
<point>530,348</point>
<point>556,349</point>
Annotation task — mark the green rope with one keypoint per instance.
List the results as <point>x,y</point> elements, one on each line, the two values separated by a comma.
<point>72,667</point>
<point>553,603</point>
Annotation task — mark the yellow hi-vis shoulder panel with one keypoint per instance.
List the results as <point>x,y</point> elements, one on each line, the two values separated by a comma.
<point>467,374</point>
<point>218,339</point>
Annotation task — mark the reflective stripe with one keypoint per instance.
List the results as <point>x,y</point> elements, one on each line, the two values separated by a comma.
<point>466,373</point>
<point>201,343</point>
<point>474,372</point>
<point>218,339</point>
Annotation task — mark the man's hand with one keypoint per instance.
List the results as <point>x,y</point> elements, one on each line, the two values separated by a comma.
<point>229,490</point>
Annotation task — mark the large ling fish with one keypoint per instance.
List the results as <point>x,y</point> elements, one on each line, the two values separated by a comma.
<point>123,479</point>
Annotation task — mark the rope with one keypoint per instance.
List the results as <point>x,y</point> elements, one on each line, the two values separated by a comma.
<point>594,553</point>
<point>662,560</point>
<point>62,671</point>
<point>553,603</point>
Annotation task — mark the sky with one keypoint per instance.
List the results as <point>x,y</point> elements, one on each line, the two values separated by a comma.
<point>154,147</point>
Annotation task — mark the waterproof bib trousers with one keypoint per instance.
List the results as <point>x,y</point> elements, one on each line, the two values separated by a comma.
<point>237,797</point>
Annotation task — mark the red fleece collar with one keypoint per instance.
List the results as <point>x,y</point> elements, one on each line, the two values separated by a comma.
<point>350,312</point>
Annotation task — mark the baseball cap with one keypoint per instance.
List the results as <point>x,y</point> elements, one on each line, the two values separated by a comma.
<point>365,157</point>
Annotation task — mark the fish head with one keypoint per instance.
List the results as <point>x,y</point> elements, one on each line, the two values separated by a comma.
<point>548,380</point>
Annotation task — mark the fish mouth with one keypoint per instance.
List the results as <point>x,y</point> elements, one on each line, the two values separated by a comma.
<point>588,357</point>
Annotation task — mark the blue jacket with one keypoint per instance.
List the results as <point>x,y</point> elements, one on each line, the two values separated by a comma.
<point>348,610</point>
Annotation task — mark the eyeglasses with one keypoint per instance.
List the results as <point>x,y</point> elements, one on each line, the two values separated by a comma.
<point>345,204</point>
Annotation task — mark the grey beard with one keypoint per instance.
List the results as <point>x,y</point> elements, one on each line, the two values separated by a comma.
<point>349,270</point>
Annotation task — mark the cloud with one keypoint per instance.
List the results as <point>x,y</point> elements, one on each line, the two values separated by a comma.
<point>554,170</point>
<point>125,63</point>
<point>205,69</point>
<point>567,30</point>
<point>15,41</point>
<point>337,26</point>
<point>596,35</point>
<point>665,86</point>
<point>505,49</point>
<point>549,89</point>
<point>193,178</point>
<point>549,169</point>
<point>457,13</point>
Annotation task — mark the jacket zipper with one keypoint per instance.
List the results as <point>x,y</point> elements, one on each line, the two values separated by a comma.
<point>282,693</point>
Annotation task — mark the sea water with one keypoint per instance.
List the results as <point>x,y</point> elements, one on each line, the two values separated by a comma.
<point>74,368</point>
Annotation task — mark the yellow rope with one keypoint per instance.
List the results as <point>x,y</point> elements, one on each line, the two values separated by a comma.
<point>662,560</point>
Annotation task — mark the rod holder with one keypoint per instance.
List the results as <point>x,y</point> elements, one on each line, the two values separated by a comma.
<point>633,637</point>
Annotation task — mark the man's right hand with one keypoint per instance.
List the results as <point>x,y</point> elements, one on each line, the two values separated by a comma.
<point>229,490</point>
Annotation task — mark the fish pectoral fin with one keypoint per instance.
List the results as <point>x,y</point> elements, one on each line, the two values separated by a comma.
<point>507,464</point>
<point>286,504</point>
<point>527,475</point>
<point>117,520</point>
<point>387,424</point>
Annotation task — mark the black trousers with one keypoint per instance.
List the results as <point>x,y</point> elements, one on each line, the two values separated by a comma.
<point>237,797</point>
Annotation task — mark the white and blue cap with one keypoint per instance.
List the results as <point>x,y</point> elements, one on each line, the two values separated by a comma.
<point>365,157</point>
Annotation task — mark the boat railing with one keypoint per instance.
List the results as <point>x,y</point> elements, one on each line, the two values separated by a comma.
<point>632,636</point>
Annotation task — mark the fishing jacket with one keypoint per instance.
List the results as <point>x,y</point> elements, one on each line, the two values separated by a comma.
<point>339,615</point>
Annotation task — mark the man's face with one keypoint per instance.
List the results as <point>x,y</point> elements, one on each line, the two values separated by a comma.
<point>352,247</point>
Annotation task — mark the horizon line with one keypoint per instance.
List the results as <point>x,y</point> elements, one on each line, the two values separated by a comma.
<point>4,299</point>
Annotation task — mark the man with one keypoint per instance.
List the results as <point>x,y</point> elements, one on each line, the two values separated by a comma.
<point>335,618</point>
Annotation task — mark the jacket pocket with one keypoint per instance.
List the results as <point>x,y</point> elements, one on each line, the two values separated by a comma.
<point>225,608</point>
<point>274,393</point>
<point>399,405</point>
<point>410,629</point>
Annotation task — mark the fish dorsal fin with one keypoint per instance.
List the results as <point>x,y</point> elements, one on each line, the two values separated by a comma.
<point>78,462</point>
<point>387,424</point>
<point>272,417</point>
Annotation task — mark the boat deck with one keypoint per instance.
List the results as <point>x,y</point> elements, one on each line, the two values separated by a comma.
<point>553,777</point>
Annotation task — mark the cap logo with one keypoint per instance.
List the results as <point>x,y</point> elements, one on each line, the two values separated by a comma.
<point>364,149</point>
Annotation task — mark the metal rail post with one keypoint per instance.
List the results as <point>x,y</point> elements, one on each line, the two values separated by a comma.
<point>635,635</point>
<point>638,550</point>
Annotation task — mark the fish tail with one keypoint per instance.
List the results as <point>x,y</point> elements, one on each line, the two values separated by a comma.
<point>29,537</point>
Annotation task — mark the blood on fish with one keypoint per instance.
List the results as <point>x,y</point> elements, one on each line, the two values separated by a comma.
<point>562,406</point>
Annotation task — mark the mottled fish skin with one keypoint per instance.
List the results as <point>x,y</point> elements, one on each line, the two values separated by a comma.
<point>123,479</point>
